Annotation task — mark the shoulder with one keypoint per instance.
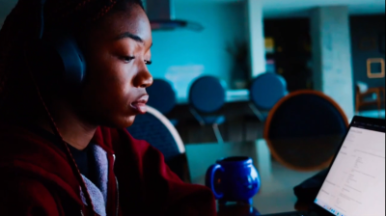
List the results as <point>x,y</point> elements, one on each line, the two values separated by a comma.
<point>20,195</point>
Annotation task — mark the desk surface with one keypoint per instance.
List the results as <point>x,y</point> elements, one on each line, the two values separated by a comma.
<point>282,165</point>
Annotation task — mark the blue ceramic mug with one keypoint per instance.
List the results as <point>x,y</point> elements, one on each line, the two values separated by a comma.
<point>233,179</point>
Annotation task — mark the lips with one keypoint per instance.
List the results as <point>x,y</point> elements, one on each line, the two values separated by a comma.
<point>140,104</point>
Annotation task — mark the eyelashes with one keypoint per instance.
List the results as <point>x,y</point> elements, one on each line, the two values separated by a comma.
<point>128,59</point>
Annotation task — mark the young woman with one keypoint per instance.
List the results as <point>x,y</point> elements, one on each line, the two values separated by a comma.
<point>63,146</point>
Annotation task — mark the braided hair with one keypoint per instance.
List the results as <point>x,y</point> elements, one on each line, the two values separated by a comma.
<point>15,35</point>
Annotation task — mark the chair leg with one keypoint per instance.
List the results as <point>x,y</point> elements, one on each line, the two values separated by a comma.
<point>218,134</point>
<point>256,112</point>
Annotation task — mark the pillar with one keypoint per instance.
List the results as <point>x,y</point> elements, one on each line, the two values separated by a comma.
<point>331,41</point>
<point>255,33</point>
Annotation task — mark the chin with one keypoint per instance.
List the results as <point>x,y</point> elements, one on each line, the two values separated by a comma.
<point>120,123</point>
<point>128,122</point>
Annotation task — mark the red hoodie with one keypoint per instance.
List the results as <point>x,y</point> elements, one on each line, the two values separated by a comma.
<point>37,179</point>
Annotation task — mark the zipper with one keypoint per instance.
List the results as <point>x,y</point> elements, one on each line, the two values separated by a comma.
<point>81,213</point>
<point>117,212</point>
<point>116,180</point>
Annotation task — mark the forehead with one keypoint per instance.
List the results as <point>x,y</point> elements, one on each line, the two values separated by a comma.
<point>132,19</point>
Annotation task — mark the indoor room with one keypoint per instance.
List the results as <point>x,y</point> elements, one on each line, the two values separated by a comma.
<point>192,107</point>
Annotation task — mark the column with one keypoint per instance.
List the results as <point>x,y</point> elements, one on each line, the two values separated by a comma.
<point>255,33</point>
<point>331,41</point>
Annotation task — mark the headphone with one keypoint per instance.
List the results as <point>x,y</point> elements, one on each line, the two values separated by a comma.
<point>62,46</point>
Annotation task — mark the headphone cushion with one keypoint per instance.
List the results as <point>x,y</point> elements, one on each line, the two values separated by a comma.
<point>72,59</point>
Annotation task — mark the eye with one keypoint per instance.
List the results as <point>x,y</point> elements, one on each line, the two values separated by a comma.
<point>148,62</point>
<point>128,58</point>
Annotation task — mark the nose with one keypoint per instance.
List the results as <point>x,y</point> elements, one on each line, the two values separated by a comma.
<point>143,79</point>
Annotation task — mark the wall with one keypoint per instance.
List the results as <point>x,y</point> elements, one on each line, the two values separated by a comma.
<point>367,27</point>
<point>182,55</point>
<point>5,8</point>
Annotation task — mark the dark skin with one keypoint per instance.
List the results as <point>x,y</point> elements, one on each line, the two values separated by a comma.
<point>117,53</point>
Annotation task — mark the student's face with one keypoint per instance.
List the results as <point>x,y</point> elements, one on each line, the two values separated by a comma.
<point>117,53</point>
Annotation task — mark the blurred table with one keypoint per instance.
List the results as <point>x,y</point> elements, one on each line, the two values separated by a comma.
<point>282,165</point>
<point>231,96</point>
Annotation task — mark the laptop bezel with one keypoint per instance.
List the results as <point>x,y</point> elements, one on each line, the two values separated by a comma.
<point>318,209</point>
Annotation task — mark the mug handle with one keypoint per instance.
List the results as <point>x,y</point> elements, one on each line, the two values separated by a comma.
<point>210,179</point>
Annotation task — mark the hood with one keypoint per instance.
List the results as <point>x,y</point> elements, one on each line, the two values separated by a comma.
<point>27,154</point>
<point>161,15</point>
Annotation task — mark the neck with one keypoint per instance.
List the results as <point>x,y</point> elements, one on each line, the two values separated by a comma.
<point>75,131</point>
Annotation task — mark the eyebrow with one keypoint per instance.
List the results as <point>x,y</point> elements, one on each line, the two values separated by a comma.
<point>129,35</point>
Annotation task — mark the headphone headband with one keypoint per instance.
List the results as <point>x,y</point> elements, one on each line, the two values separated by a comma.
<point>41,31</point>
<point>63,44</point>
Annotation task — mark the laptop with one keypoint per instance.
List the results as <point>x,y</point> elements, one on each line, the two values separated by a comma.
<point>355,184</point>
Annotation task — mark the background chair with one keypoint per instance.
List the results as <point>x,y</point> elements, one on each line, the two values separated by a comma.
<point>206,98</point>
<point>302,125</point>
<point>158,131</point>
<point>265,91</point>
<point>162,97</point>
<point>367,97</point>
<point>305,114</point>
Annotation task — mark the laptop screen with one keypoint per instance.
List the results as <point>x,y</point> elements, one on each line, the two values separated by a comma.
<point>355,185</point>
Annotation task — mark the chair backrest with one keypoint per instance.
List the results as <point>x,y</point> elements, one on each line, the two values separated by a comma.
<point>267,89</point>
<point>362,87</point>
<point>305,114</point>
<point>207,94</point>
<point>157,130</point>
<point>162,96</point>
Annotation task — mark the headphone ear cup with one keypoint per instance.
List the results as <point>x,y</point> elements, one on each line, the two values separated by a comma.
<point>72,59</point>
<point>57,62</point>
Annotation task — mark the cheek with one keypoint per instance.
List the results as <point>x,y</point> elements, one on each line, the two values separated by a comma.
<point>108,91</point>
<point>116,81</point>
<point>113,91</point>
<point>123,80</point>
<point>109,71</point>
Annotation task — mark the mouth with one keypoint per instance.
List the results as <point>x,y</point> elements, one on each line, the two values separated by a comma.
<point>140,104</point>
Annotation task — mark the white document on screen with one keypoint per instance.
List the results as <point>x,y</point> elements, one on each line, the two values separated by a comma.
<point>355,185</point>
